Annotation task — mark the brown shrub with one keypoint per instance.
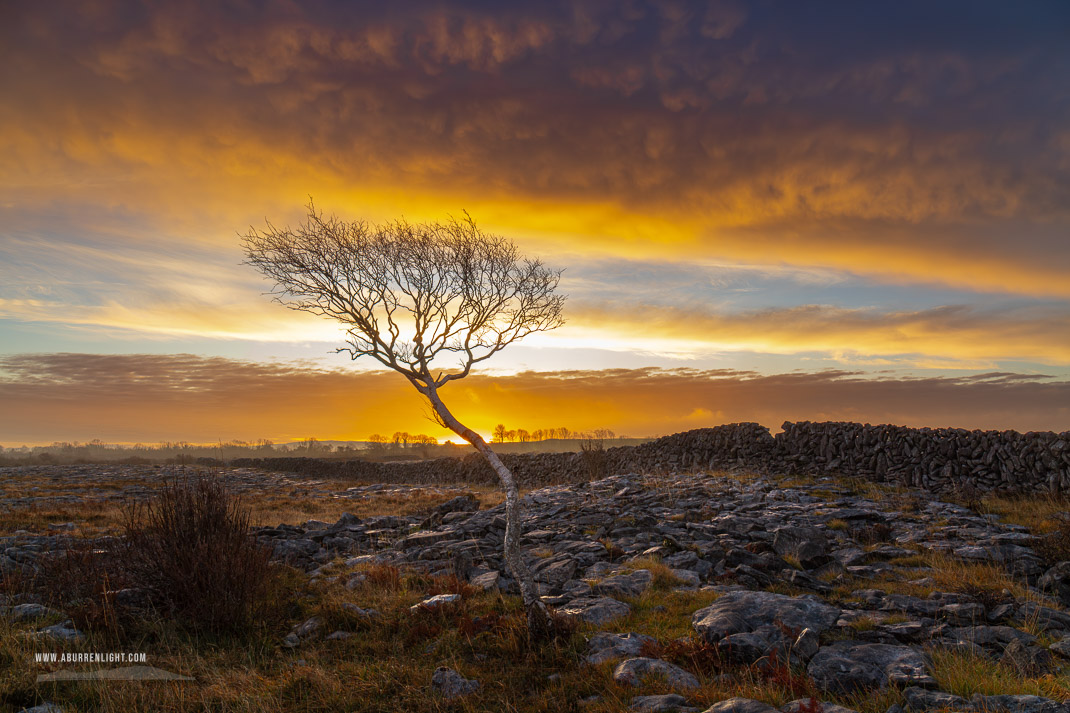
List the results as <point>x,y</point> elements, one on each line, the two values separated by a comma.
<point>82,579</point>
<point>383,575</point>
<point>451,584</point>
<point>693,653</point>
<point>873,534</point>
<point>593,452</point>
<point>190,549</point>
<point>1054,545</point>
<point>776,670</point>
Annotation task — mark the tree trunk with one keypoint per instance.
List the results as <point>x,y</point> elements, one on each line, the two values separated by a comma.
<point>540,623</point>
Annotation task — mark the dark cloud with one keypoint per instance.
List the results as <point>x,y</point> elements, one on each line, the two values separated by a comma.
<point>920,122</point>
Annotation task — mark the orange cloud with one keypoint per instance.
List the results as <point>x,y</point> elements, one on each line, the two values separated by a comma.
<point>649,133</point>
<point>153,398</point>
<point>948,334</point>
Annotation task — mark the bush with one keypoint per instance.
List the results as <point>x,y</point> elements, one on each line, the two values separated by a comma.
<point>1053,545</point>
<point>190,549</point>
<point>81,580</point>
<point>593,452</point>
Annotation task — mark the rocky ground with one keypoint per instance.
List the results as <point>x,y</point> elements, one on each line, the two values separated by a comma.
<point>856,588</point>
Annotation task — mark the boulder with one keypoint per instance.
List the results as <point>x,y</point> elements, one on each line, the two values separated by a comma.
<point>450,684</point>
<point>46,707</point>
<point>487,581</point>
<point>632,672</point>
<point>1057,581</point>
<point>435,602</point>
<point>921,699</point>
<point>631,584</point>
<point>806,544</point>
<point>1061,647</point>
<point>1023,703</point>
<point>461,503</point>
<point>1028,661</point>
<point>303,631</point>
<point>64,631</point>
<point>595,610</point>
<point>25,612</point>
<point>847,667</point>
<point>740,705</point>
<point>606,646</point>
<point>744,611</point>
<point>557,572</point>
<point>807,704</point>
<point>1047,618</point>
<point>659,704</point>
<point>992,639</point>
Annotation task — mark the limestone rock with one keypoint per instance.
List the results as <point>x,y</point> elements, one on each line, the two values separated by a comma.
<point>64,631</point>
<point>46,707</point>
<point>605,646</point>
<point>740,705</point>
<point>807,544</point>
<point>745,611</point>
<point>921,699</point>
<point>625,585</point>
<point>488,581</point>
<point>661,704</point>
<point>596,610</point>
<point>632,672</point>
<point>849,666</point>
<point>450,684</point>
<point>434,602</point>
<point>1015,704</point>
<point>303,631</point>
<point>1057,581</point>
<point>805,703</point>
<point>1028,661</point>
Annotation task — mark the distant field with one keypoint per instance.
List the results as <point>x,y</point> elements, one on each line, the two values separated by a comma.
<point>178,453</point>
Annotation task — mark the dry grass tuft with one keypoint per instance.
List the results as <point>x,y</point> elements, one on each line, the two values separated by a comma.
<point>190,550</point>
<point>965,674</point>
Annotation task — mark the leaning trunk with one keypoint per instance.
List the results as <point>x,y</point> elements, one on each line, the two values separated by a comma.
<point>539,620</point>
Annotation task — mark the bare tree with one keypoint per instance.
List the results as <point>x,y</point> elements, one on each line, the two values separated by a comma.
<point>428,300</point>
<point>376,444</point>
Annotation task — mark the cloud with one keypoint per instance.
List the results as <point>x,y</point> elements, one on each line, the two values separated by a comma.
<point>916,144</point>
<point>678,308</point>
<point>151,398</point>
<point>949,333</point>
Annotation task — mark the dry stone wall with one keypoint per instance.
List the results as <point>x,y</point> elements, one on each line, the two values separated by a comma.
<point>939,460</point>
<point>935,459</point>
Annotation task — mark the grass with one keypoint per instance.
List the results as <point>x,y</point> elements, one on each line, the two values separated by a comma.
<point>1039,513</point>
<point>385,665</point>
<point>983,581</point>
<point>273,509</point>
<point>1046,516</point>
<point>387,662</point>
<point>965,674</point>
<point>663,577</point>
<point>91,518</point>
<point>102,516</point>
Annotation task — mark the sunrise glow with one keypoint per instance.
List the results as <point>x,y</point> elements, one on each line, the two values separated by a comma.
<point>763,213</point>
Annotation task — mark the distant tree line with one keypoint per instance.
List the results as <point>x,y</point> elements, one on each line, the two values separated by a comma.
<point>520,435</point>
<point>174,451</point>
<point>400,439</point>
<point>401,444</point>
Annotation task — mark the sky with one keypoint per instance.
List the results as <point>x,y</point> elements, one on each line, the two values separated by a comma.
<point>764,211</point>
